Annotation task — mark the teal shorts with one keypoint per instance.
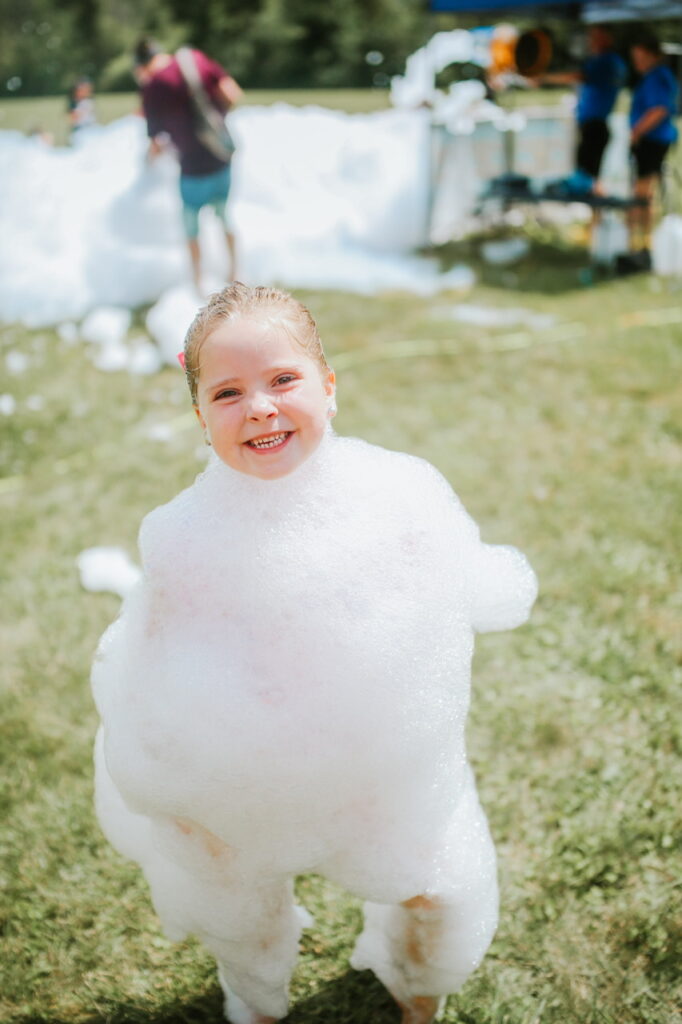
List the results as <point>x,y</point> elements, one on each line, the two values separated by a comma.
<point>204,190</point>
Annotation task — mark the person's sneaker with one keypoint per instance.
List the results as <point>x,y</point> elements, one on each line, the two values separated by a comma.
<point>638,262</point>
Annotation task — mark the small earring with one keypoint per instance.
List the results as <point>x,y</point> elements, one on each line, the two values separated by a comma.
<point>332,407</point>
<point>207,441</point>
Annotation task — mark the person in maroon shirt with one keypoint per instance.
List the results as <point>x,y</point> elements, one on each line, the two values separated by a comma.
<point>168,108</point>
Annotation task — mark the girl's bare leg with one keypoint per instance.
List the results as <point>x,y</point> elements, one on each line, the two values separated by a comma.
<point>422,936</point>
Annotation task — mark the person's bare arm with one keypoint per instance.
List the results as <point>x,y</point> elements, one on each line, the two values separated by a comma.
<point>154,149</point>
<point>649,119</point>
<point>230,92</point>
<point>558,78</point>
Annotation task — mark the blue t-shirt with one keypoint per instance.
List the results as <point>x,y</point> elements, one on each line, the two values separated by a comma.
<point>603,75</point>
<point>657,88</point>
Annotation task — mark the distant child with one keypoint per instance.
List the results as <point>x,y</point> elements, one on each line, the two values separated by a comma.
<point>286,689</point>
<point>654,108</point>
<point>81,106</point>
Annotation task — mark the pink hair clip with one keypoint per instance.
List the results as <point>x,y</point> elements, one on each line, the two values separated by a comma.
<point>181,359</point>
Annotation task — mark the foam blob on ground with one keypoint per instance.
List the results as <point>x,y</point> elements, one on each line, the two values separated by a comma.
<point>667,246</point>
<point>107,569</point>
<point>505,252</point>
<point>490,316</point>
<point>286,691</point>
<point>17,362</point>
<point>106,326</point>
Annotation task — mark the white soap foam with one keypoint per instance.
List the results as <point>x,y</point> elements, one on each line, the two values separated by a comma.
<point>106,326</point>
<point>320,198</point>
<point>287,691</point>
<point>107,569</point>
<point>667,246</point>
<point>505,252</point>
<point>16,362</point>
<point>491,316</point>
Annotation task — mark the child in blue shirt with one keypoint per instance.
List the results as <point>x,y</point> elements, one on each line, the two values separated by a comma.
<point>652,131</point>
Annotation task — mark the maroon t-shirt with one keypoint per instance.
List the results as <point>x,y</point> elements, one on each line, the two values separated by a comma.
<point>168,108</point>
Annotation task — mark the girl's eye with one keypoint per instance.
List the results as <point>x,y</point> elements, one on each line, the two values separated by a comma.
<point>227,393</point>
<point>285,378</point>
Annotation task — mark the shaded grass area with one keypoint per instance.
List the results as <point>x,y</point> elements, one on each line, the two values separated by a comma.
<point>567,444</point>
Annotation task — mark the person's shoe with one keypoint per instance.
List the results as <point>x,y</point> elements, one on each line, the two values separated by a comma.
<point>638,262</point>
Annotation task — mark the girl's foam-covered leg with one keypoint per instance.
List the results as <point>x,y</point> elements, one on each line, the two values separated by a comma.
<point>200,886</point>
<point>249,923</point>
<point>426,947</point>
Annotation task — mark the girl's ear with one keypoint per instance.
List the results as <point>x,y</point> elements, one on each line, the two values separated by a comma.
<point>201,419</point>
<point>330,391</point>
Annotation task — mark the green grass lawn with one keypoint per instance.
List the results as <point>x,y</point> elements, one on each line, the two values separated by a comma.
<point>564,441</point>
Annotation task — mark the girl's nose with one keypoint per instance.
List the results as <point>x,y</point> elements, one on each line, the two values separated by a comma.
<point>261,407</point>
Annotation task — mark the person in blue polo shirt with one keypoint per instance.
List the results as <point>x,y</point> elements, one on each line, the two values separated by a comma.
<point>652,131</point>
<point>599,81</point>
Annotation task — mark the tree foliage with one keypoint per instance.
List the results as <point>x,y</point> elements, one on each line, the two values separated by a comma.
<point>47,44</point>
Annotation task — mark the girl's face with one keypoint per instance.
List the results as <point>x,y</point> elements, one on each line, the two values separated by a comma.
<point>262,400</point>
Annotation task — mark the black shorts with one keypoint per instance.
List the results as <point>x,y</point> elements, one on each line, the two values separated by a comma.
<point>593,137</point>
<point>649,156</point>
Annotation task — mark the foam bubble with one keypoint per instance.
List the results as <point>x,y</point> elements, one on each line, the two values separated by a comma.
<point>107,569</point>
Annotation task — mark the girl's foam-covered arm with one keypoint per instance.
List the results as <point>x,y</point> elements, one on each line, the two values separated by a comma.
<point>504,588</point>
<point>500,582</point>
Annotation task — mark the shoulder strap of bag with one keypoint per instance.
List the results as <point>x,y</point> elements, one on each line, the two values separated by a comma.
<point>218,139</point>
<point>190,72</point>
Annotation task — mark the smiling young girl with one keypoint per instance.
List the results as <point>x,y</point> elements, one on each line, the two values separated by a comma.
<point>286,689</point>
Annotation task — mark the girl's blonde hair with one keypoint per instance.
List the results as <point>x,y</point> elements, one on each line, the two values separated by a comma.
<point>269,306</point>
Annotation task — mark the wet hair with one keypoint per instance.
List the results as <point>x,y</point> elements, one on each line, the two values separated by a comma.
<point>270,307</point>
<point>647,40</point>
<point>145,49</point>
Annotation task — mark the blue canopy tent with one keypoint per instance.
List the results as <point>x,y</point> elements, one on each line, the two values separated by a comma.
<point>588,10</point>
<point>472,6</point>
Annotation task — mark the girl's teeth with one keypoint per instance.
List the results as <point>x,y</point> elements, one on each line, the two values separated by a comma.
<point>270,442</point>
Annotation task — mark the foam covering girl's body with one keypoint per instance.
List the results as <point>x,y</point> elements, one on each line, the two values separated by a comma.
<point>286,691</point>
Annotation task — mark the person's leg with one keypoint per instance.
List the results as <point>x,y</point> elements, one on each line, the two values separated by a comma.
<point>649,157</point>
<point>221,206</point>
<point>426,947</point>
<point>231,243</point>
<point>200,886</point>
<point>249,923</point>
<point>593,139</point>
<point>190,220</point>
<point>194,195</point>
<point>195,261</point>
<point>642,216</point>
